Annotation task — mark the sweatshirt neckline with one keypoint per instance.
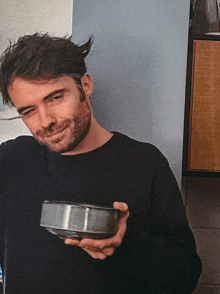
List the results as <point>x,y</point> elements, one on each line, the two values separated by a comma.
<point>89,153</point>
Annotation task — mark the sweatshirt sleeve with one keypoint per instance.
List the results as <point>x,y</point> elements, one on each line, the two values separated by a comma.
<point>163,254</point>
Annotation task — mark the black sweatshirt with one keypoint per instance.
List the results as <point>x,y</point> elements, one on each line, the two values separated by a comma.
<point>158,253</point>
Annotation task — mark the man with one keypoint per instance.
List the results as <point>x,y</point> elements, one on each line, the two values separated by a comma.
<point>73,158</point>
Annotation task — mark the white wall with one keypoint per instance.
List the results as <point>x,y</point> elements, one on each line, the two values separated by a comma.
<point>18,18</point>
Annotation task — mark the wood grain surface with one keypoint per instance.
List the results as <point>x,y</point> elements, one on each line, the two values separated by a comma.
<point>204,133</point>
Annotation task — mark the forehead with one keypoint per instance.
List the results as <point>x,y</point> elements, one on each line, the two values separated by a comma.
<point>21,90</point>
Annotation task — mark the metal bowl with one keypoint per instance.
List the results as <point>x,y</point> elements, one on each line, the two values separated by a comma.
<point>79,220</point>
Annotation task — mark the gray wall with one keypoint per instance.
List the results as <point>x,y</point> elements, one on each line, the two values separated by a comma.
<point>138,65</point>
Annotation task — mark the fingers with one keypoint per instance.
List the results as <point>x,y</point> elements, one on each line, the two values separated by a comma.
<point>109,251</point>
<point>100,244</point>
<point>99,254</point>
<point>96,254</point>
<point>72,242</point>
<point>91,248</point>
<point>122,226</point>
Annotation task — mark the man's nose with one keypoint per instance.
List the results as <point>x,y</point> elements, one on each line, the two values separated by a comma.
<point>46,118</point>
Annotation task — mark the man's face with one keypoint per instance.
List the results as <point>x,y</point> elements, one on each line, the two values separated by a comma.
<point>56,111</point>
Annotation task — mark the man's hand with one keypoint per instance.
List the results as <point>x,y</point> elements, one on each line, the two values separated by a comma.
<point>100,249</point>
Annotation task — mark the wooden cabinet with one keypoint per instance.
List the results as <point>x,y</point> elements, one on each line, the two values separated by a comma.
<point>202,113</point>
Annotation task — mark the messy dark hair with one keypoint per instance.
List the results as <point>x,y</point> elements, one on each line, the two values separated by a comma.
<point>40,57</point>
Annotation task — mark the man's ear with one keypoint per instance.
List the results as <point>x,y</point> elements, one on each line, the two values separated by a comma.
<point>87,84</point>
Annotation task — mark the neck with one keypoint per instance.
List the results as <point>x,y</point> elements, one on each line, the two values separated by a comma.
<point>96,137</point>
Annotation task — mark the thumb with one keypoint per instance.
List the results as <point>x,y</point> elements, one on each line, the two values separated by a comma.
<point>122,206</point>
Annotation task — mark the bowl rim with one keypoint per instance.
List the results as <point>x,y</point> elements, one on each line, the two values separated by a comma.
<point>79,205</point>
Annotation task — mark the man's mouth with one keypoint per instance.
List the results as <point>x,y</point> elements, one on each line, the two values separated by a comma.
<point>49,135</point>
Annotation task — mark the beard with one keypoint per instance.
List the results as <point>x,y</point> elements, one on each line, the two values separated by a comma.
<point>69,133</point>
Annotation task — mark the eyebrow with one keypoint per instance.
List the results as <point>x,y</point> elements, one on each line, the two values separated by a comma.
<point>20,110</point>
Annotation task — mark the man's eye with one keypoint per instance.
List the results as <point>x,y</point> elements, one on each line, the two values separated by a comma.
<point>57,97</point>
<point>27,112</point>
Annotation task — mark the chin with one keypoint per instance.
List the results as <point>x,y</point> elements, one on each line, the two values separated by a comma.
<point>61,145</point>
<point>69,139</point>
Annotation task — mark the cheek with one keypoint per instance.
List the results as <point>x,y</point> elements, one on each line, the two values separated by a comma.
<point>64,114</point>
<point>32,125</point>
<point>68,112</point>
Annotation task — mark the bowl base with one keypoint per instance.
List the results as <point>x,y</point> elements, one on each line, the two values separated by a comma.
<point>63,234</point>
